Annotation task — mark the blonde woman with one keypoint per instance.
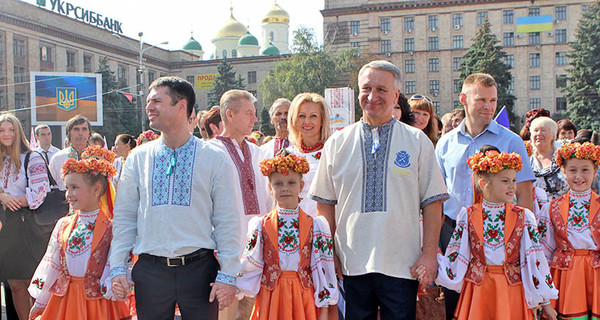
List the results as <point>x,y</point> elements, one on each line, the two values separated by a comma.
<point>23,242</point>
<point>425,119</point>
<point>308,127</point>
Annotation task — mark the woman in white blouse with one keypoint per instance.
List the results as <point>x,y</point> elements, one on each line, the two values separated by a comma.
<point>124,143</point>
<point>22,241</point>
<point>308,127</point>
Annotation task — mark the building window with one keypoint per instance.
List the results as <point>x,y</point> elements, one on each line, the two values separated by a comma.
<point>224,54</point>
<point>1,99</point>
<point>534,12</point>
<point>385,24</point>
<point>434,43</point>
<point>87,63</point>
<point>561,104</point>
<point>432,22</point>
<point>560,13</point>
<point>19,74</point>
<point>355,27</point>
<point>534,83</point>
<point>508,16</point>
<point>45,53</point>
<point>509,60</point>
<point>456,63</point>
<point>356,45</point>
<point>152,76</point>
<point>481,16</point>
<point>436,107</point>
<point>122,74</point>
<point>234,53</point>
<point>71,59</point>
<point>409,24</point>
<point>457,42</point>
<point>457,20</point>
<point>456,87</point>
<point>386,46</point>
<point>409,66</point>
<point>410,87</point>
<point>434,87</point>
<point>511,84</point>
<point>20,100</point>
<point>434,65</point>
<point>251,77</point>
<point>534,60</point>
<point>271,38</point>
<point>409,44</point>
<point>561,36</point>
<point>190,79</point>
<point>561,81</point>
<point>534,38</point>
<point>535,103</point>
<point>509,39</point>
<point>18,48</point>
<point>561,59</point>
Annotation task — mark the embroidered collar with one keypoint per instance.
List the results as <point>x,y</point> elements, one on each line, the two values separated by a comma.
<point>288,211</point>
<point>492,205</point>
<point>174,152</point>
<point>377,132</point>
<point>386,125</point>
<point>72,153</point>
<point>91,214</point>
<point>584,194</point>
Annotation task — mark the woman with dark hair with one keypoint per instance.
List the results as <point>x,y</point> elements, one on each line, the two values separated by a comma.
<point>566,130</point>
<point>402,111</point>
<point>124,143</point>
<point>425,118</point>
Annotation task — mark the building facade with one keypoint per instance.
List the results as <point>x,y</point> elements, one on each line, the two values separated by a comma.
<point>427,38</point>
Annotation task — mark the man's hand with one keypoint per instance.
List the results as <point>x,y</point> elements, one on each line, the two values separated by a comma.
<point>429,262</point>
<point>225,293</point>
<point>35,312</point>
<point>120,287</point>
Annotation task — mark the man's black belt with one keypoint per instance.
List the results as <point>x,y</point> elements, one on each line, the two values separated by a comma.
<point>181,260</point>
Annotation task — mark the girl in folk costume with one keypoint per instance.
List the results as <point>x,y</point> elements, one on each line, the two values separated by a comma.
<point>569,230</point>
<point>494,258</point>
<point>288,259</point>
<point>72,280</point>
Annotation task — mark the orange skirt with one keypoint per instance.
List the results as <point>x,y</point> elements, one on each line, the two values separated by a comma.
<point>491,299</point>
<point>288,300</point>
<point>74,306</point>
<point>578,288</point>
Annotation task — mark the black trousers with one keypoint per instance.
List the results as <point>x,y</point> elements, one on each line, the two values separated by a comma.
<point>159,287</point>
<point>450,296</point>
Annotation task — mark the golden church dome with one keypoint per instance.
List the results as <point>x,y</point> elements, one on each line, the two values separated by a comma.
<point>276,14</point>
<point>232,28</point>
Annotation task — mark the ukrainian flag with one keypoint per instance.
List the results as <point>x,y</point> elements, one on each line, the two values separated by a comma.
<point>534,24</point>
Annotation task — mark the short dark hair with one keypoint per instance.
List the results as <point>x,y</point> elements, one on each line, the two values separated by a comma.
<point>75,121</point>
<point>40,127</point>
<point>407,116</point>
<point>566,125</point>
<point>179,89</point>
<point>212,117</point>
<point>127,139</point>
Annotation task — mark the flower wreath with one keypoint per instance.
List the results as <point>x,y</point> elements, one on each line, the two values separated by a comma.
<point>98,153</point>
<point>494,161</point>
<point>94,160</point>
<point>146,136</point>
<point>585,151</point>
<point>529,148</point>
<point>283,164</point>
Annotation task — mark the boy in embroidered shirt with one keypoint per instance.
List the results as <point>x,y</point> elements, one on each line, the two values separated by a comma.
<point>494,258</point>
<point>569,229</point>
<point>72,280</point>
<point>288,259</point>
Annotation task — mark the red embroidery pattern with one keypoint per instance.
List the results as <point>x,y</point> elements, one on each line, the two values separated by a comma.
<point>245,174</point>
<point>280,143</point>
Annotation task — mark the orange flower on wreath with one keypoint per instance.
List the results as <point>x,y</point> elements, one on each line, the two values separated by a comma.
<point>98,153</point>
<point>494,161</point>
<point>283,165</point>
<point>585,151</point>
<point>529,148</point>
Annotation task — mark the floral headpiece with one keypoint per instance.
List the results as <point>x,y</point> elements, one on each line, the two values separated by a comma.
<point>94,160</point>
<point>494,161</point>
<point>146,136</point>
<point>585,151</point>
<point>529,148</point>
<point>283,164</point>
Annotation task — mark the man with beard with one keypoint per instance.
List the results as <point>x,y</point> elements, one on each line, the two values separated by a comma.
<point>78,133</point>
<point>279,115</point>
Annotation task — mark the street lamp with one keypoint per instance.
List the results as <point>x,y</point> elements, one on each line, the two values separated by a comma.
<point>141,69</point>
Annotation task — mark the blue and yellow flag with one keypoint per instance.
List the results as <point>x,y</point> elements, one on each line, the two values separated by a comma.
<point>534,24</point>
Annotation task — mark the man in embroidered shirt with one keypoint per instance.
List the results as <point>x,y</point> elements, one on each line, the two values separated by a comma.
<point>239,116</point>
<point>44,136</point>
<point>78,131</point>
<point>479,96</point>
<point>374,177</point>
<point>175,205</point>
<point>279,114</point>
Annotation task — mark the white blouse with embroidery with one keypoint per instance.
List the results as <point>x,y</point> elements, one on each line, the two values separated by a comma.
<point>77,255</point>
<point>13,182</point>
<point>308,205</point>
<point>535,273</point>
<point>321,259</point>
<point>578,224</point>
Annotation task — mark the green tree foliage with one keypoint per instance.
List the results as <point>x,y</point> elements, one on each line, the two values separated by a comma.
<point>486,56</point>
<point>226,80</point>
<point>265,123</point>
<point>311,68</point>
<point>583,89</point>
<point>120,115</point>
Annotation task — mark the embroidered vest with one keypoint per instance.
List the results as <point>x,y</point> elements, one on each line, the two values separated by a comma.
<point>514,224</point>
<point>559,213</point>
<point>270,235</point>
<point>100,245</point>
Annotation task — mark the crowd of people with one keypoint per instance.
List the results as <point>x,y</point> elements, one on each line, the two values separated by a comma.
<point>362,223</point>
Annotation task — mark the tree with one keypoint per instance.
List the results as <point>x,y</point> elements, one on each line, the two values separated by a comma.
<point>583,98</point>
<point>118,110</point>
<point>265,123</point>
<point>226,80</point>
<point>486,56</point>
<point>311,69</point>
